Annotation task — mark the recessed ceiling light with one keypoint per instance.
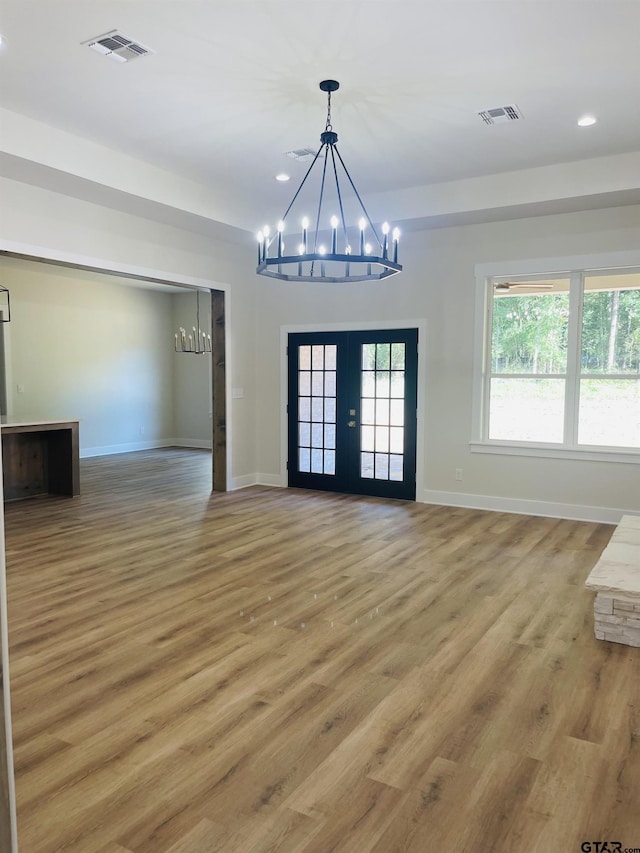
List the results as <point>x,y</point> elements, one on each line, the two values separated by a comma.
<point>587,121</point>
<point>282,177</point>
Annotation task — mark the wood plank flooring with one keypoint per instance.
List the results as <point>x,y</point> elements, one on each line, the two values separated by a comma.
<point>280,670</point>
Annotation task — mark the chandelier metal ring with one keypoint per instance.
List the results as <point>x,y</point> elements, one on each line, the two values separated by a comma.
<point>314,262</point>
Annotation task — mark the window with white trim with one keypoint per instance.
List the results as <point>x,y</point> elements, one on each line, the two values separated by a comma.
<point>562,361</point>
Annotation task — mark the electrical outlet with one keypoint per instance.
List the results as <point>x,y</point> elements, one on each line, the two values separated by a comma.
<point>20,389</point>
<point>458,473</point>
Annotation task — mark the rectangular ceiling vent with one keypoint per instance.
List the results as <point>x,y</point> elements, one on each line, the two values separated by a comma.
<point>302,155</point>
<point>114,45</point>
<point>501,115</point>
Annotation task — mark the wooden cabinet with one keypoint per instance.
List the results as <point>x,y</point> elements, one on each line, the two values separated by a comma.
<point>40,458</point>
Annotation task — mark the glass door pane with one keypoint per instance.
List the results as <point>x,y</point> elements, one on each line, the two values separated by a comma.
<point>317,389</point>
<point>382,418</point>
<point>352,411</point>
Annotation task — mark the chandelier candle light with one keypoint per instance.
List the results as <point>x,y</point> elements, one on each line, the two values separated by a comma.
<point>341,263</point>
<point>198,342</point>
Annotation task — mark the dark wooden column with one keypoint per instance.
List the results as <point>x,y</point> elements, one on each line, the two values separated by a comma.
<point>218,390</point>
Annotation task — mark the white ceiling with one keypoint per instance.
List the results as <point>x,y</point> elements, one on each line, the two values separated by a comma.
<point>233,85</point>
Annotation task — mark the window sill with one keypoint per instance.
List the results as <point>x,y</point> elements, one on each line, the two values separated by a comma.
<point>588,454</point>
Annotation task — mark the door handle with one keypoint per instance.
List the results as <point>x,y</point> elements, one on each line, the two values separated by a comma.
<point>351,423</point>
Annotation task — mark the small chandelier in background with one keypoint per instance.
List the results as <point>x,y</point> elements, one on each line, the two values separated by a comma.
<point>345,259</point>
<point>5,305</point>
<point>197,342</point>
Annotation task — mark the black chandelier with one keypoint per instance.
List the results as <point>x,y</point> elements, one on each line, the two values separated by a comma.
<point>339,262</point>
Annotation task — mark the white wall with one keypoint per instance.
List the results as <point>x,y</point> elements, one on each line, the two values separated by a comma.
<point>438,284</point>
<point>84,346</point>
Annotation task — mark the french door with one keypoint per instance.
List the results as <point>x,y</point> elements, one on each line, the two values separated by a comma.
<point>352,411</point>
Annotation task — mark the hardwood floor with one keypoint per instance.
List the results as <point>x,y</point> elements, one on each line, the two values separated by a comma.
<point>297,671</point>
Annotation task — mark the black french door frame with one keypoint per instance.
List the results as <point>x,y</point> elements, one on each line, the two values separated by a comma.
<point>340,422</point>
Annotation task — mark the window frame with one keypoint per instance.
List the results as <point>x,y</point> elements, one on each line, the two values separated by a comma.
<point>575,268</point>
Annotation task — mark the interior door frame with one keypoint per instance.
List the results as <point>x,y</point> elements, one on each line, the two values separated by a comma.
<point>357,326</point>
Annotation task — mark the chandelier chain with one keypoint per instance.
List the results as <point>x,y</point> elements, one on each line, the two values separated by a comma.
<point>328,125</point>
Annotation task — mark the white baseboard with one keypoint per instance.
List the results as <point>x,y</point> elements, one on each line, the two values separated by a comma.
<point>519,506</point>
<point>198,443</point>
<point>246,480</point>
<point>132,446</point>
<point>270,480</point>
<point>127,447</point>
<point>242,482</point>
<point>549,509</point>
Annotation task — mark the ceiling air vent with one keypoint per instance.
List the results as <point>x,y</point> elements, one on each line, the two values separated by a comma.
<point>500,115</point>
<point>114,45</point>
<point>302,155</point>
